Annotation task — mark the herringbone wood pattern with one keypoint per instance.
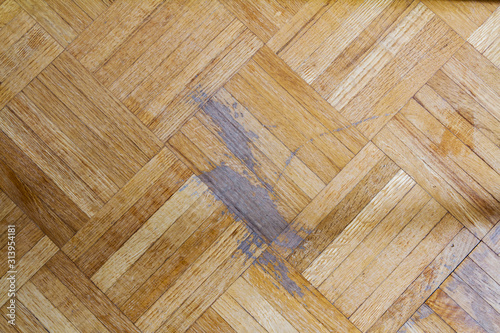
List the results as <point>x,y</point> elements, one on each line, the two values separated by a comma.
<point>251,166</point>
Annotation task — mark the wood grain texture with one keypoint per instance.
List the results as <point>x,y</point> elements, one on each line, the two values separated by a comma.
<point>250,166</point>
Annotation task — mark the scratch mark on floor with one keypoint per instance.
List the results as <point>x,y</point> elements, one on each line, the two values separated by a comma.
<point>289,160</point>
<point>356,123</point>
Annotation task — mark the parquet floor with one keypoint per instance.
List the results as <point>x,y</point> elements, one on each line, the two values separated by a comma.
<point>250,166</point>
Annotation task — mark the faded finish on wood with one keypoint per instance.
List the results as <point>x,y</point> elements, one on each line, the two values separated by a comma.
<point>250,166</point>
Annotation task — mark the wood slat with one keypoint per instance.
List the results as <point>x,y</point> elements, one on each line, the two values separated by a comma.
<point>25,321</point>
<point>337,220</point>
<point>471,302</point>
<point>263,18</point>
<point>422,287</point>
<point>256,305</point>
<point>213,76</point>
<point>452,313</point>
<point>65,178</point>
<point>43,309</point>
<point>93,298</point>
<point>65,301</point>
<point>392,255</point>
<point>140,296</point>
<point>198,273</point>
<point>29,264</point>
<point>210,320</point>
<point>27,234</point>
<point>417,68</point>
<point>213,287</point>
<point>486,33</point>
<point>286,290</point>
<point>358,50</point>
<point>328,198</point>
<point>425,320</point>
<point>31,50</point>
<point>119,204</point>
<point>28,191</point>
<point>466,106</point>
<point>371,215</point>
<point>134,218</point>
<point>430,179</point>
<point>463,16</point>
<point>378,239</point>
<point>145,236</point>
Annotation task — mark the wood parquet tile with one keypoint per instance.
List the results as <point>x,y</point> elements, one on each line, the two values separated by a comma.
<point>249,166</point>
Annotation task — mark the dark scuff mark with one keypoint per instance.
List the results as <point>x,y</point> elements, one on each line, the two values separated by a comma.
<point>250,202</point>
<point>280,272</point>
<point>236,138</point>
<point>289,159</point>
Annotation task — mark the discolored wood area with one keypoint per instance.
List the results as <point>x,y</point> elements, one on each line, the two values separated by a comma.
<point>250,166</point>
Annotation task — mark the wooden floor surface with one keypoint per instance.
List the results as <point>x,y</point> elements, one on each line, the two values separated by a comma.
<point>250,166</point>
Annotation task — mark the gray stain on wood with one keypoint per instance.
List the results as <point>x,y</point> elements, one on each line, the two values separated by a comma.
<point>235,137</point>
<point>198,96</point>
<point>289,239</point>
<point>246,246</point>
<point>280,272</point>
<point>251,203</point>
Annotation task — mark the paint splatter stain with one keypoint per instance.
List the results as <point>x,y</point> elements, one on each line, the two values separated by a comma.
<point>235,137</point>
<point>199,96</point>
<point>289,239</point>
<point>280,272</point>
<point>252,203</point>
<point>249,246</point>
